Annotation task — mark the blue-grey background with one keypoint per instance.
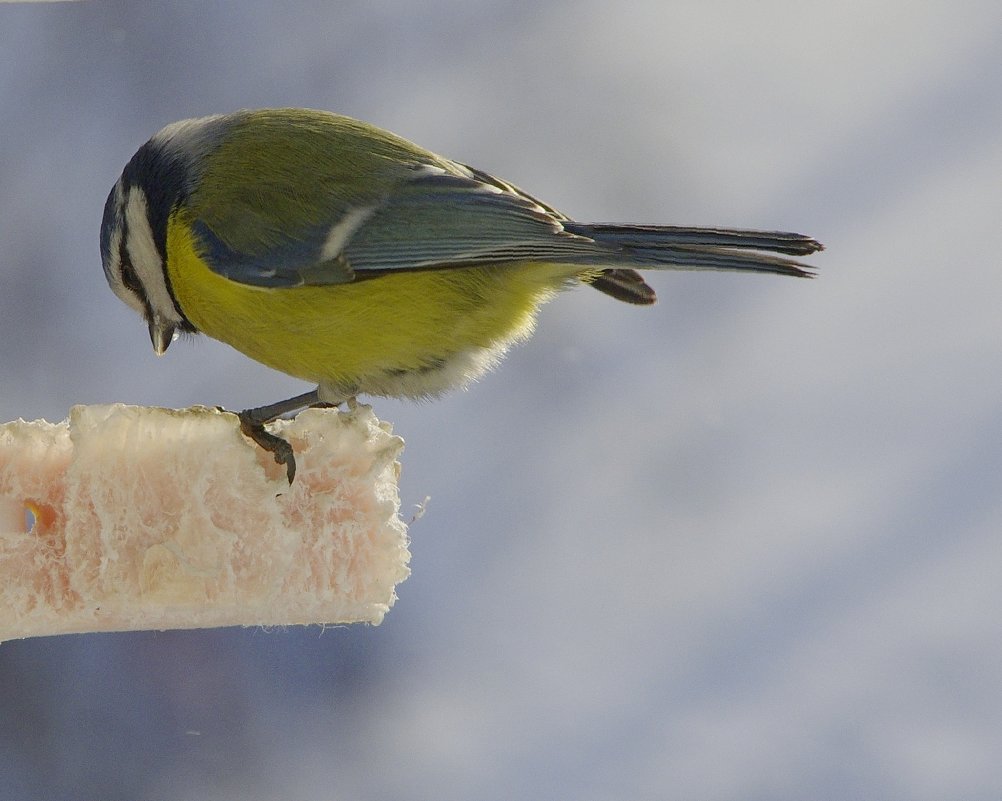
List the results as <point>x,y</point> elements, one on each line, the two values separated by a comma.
<point>746,544</point>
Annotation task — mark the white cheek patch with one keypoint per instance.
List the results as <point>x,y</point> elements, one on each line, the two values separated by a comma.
<point>146,259</point>
<point>113,266</point>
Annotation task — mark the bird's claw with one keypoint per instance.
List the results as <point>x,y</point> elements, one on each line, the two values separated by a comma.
<point>275,445</point>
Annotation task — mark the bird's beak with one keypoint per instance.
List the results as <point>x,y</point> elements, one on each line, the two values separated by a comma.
<point>161,335</point>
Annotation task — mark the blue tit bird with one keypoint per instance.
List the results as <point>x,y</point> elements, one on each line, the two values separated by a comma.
<point>344,255</point>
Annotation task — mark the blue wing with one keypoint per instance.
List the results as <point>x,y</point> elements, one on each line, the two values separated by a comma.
<point>433,220</point>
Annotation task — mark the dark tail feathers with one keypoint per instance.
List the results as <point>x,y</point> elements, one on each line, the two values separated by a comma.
<point>672,247</point>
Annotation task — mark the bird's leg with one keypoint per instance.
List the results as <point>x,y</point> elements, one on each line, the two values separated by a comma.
<point>252,423</point>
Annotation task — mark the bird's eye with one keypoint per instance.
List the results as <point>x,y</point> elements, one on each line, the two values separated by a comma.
<point>129,277</point>
<point>130,280</point>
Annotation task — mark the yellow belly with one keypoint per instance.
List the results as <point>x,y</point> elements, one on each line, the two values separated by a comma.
<point>416,333</point>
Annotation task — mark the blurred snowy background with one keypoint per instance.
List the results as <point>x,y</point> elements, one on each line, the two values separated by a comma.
<point>746,544</point>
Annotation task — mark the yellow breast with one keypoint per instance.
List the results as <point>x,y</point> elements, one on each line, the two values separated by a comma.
<point>416,333</point>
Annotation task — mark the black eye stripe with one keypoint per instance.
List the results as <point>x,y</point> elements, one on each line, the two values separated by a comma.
<point>125,268</point>
<point>129,277</point>
<point>127,271</point>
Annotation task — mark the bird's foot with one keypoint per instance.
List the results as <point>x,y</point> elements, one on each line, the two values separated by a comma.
<point>253,427</point>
